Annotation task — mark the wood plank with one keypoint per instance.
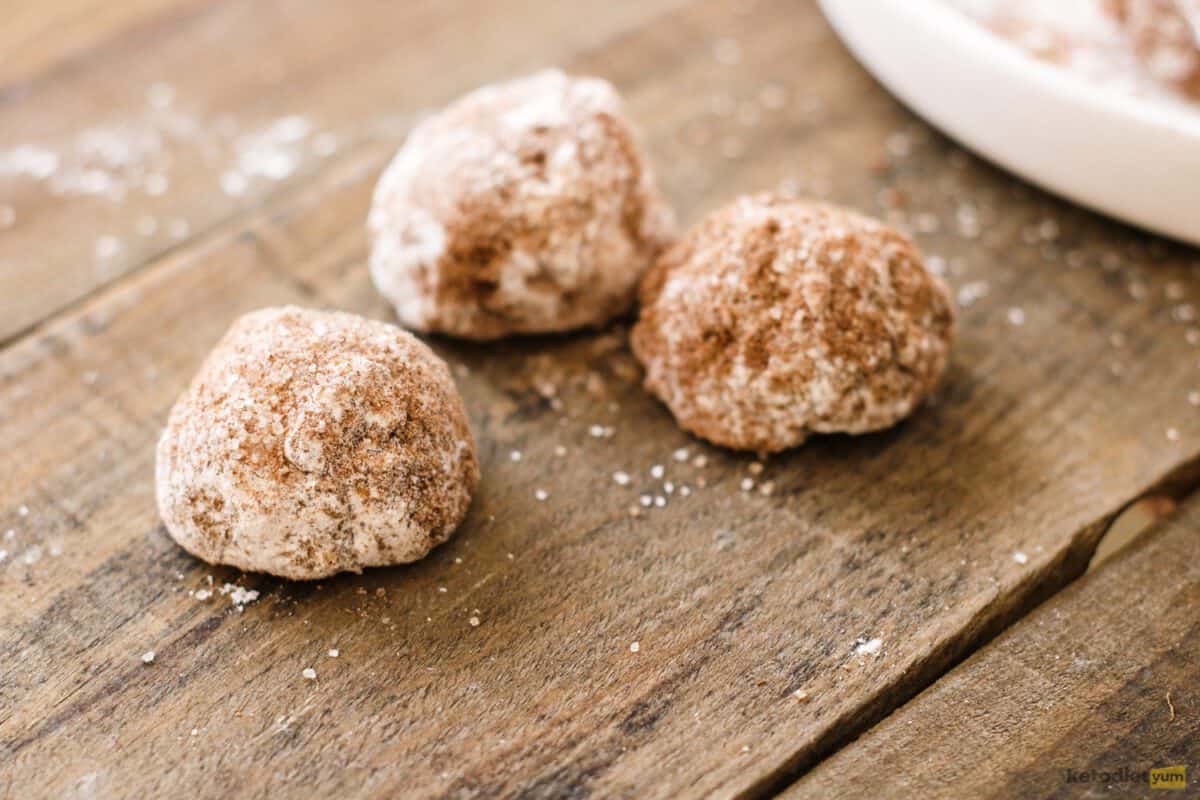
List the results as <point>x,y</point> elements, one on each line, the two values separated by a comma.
<point>132,149</point>
<point>37,36</point>
<point>1103,678</point>
<point>736,599</point>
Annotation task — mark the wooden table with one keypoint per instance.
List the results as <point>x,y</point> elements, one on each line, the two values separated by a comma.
<point>891,615</point>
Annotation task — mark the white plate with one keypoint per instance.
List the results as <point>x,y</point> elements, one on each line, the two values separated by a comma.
<point>1126,157</point>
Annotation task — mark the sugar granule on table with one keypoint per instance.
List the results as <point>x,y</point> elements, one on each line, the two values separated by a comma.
<point>238,596</point>
<point>868,647</point>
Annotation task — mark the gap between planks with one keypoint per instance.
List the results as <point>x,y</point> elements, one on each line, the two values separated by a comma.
<point>1180,489</point>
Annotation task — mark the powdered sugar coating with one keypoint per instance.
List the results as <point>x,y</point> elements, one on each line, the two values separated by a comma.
<point>523,207</point>
<point>774,318</point>
<point>311,443</point>
<point>1166,37</point>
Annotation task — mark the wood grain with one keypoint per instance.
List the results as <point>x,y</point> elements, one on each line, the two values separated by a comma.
<point>1103,678</point>
<point>737,599</point>
<point>38,36</point>
<point>143,136</point>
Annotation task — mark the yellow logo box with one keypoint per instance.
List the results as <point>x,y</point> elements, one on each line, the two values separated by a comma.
<point>1169,777</point>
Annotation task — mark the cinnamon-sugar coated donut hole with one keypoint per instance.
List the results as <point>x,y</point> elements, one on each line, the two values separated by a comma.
<point>311,443</point>
<point>776,318</point>
<point>524,207</point>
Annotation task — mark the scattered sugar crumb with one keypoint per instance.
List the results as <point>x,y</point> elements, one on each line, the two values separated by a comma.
<point>657,471</point>
<point>971,292</point>
<point>234,183</point>
<point>868,647</point>
<point>1016,316</point>
<point>309,673</point>
<point>334,652</point>
<point>515,455</point>
<point>1020,557</point>
<point>635,647</point>
<point>621,478</point>
<point>474,622</point>
<point>148,657</point>
<point>541,494</point>
<point>681,455</point>
<point>801,695</point>
<point>237,595</point>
